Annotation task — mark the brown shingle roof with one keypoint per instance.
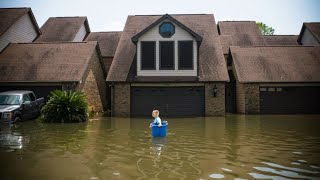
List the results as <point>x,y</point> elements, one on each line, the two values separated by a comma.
<point>108,42</point>
<point>226,42</point>
<point>212,66</point>
<point>243,33</point>
<point>314,28</point>
<point>45,62</point>
<point>277,64</point>
<point>59,29</point>
<point>8,16</point>
<point>281,40</point>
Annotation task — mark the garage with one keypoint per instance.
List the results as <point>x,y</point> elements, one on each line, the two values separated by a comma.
<point>290,100</point>
<point>39,91</point>
<point>170,101</point>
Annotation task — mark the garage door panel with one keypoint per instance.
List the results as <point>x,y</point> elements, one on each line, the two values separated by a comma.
<point>291,100</point>
<point>170,101</point>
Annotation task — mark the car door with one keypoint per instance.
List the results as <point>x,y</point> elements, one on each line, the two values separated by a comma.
<point>26,110</point>
<point>33,105</point>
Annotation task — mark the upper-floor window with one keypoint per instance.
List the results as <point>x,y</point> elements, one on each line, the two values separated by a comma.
<point>166,29</point>
<point>166,58</point>
<point>185,59</point>
<point>148,55</point>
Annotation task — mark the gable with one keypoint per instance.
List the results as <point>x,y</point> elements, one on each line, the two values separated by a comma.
<point>62,29</point>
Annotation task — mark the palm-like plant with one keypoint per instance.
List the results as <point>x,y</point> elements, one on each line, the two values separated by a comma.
<point>65,106</point>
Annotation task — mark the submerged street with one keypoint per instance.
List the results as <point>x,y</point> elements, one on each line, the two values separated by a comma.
<point>235,146</point>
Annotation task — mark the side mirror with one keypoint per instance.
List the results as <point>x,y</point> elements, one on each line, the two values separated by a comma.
<point>26,103</point>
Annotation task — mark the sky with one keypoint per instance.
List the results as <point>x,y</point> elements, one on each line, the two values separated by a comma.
<point>285,16</point>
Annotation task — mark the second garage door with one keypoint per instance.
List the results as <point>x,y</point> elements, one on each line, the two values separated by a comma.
<point>170,101</point>
<point>290,100</point>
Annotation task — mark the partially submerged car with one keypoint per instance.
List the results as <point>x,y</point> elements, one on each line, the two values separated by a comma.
<point>19,106</point>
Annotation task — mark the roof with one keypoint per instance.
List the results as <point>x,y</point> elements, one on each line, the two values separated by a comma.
<point>8,17</point>
<point>226,42</point>
<point>61,29</point>
<point>212,66</point>
<point>243,33</point>
<point>314,28</point>
<point>281,40</point>
<point>108,41</point>
<point>45,62</point>
<point>277,64</point>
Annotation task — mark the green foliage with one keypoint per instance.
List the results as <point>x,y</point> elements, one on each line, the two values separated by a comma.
<point>65,106</point>
<point>265,30</point>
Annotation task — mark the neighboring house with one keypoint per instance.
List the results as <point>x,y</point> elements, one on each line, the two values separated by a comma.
<point>17,25</point>
<point>43,67</point>
<point>108,43</point>
<point>171,63</point>
<point>310,34</point>
<point>64,29</point>
<point>277,80</point>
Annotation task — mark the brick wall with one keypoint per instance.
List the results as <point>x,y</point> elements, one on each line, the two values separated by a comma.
<point>120,94</point>
<point>248,98</point>
<point>215,106</point>
<point>94,85</point>
<point>252,98</point>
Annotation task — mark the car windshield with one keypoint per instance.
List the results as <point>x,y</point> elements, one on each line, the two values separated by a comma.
<point>9,99</point>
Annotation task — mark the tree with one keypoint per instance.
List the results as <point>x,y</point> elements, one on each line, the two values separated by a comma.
<point>265,30</point>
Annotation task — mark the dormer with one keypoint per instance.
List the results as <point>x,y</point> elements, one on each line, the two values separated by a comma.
<point>167,48</point>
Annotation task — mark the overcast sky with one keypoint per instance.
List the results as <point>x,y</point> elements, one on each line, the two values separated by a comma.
<point>285,16</point>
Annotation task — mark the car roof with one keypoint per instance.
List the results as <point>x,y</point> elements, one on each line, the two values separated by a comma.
<point>15,92</point>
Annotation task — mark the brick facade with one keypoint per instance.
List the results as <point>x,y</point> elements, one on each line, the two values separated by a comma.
<point>215,106</point>
<point>252,98</point>
<point>94,85</point>
<point>248,98</point>
<point>120,94</point>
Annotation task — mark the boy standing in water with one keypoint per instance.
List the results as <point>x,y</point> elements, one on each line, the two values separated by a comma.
<point>155,115</point>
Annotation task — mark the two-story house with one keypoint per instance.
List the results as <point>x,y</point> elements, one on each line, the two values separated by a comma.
<point>173,63</point>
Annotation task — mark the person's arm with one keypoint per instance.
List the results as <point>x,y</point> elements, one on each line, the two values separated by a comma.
<point>159,121</point>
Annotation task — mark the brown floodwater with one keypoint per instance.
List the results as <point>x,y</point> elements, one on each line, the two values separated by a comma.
<point>231,147</point>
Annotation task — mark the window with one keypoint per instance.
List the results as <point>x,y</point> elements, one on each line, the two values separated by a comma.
<point>166,29</point>
<point>26,97</point>
<point>148,55</point>
<point>32,97</point>
<point>166,55</point>
<point>185,55</point>
<point>263,89</point>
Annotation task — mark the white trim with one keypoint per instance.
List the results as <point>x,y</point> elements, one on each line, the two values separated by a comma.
<point>166,84</point>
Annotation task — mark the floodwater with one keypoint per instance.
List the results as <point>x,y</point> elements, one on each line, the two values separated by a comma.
<point>231,147</point>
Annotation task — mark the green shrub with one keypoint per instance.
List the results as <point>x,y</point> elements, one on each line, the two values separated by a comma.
<point>65,106</point>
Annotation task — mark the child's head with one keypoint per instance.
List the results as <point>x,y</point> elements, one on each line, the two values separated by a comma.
<point>155,113</point>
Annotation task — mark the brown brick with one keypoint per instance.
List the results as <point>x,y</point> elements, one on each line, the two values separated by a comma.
<point>215,106</point>
<point>120,93</point>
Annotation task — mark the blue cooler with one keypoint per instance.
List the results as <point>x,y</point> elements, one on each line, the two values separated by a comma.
<point>159,131</point>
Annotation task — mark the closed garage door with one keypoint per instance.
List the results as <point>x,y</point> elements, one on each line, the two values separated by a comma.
<point>289,100</point>
<point>170,101</point>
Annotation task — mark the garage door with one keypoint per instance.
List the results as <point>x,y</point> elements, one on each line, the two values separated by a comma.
<point>289,100</point>
<point>170,101</point>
